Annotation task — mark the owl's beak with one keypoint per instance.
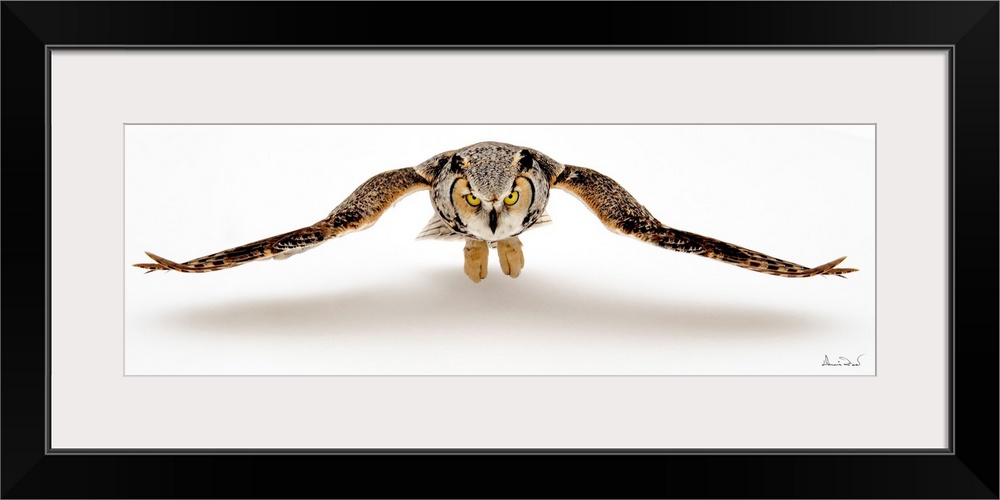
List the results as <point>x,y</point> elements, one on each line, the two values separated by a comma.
<point>493,220</point>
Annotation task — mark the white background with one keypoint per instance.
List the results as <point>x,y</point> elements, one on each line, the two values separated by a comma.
<point>589,302</point>
<point>94,405</point>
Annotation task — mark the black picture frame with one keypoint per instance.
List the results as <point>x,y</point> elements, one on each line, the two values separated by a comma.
<point>969,28</point>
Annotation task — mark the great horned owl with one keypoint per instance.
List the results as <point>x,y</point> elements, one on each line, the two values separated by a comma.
<point>487,194</point>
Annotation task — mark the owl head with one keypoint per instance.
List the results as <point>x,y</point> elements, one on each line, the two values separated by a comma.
<point>491,190</point>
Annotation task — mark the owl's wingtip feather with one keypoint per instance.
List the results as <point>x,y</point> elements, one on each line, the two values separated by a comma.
<point>150,267</point>
<point>831,269</point>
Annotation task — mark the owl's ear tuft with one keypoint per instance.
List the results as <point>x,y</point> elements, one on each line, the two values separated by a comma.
<point>526,161</point>
<point>442,162</point>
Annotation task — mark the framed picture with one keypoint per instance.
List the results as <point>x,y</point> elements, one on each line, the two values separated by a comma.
<point>808,148</point>
<point>423,315</point>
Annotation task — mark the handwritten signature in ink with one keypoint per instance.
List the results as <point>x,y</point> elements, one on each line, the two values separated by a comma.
<point>842,361</point>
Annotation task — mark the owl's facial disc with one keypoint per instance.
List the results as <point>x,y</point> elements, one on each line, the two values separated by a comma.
<point>492,216</point>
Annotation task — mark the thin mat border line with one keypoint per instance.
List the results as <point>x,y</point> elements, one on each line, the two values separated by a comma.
<point>875,181</point>
<point>500,124</point>
<point>950,52</point>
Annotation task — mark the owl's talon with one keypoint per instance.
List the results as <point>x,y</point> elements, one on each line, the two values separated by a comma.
<point>511,256</point>
<point>477,254</point>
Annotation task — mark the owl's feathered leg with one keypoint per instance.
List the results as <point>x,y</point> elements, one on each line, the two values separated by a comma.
<point>477,253</point>
<point>511,257</point>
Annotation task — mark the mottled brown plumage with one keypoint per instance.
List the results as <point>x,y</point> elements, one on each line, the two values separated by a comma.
<point>358,212</point>
<point>487,194</point>
<point>621,213</point>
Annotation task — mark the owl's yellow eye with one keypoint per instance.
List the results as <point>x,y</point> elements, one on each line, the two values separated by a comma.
<point>473,200</point>
<point>511,198</point>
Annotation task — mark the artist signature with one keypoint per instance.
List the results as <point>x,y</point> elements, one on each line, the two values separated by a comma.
<point>842,361</point>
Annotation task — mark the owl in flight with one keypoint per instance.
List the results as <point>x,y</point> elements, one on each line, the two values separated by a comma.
<point>487,194</point>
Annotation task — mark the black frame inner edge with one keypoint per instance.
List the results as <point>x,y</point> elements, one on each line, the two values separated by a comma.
<point>949,450</point>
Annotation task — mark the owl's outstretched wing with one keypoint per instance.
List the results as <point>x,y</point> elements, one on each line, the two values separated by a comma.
<point>621,213</point>
<point>359,211</point>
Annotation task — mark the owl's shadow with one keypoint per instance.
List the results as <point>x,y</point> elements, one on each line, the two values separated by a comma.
<point>444,299</point>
